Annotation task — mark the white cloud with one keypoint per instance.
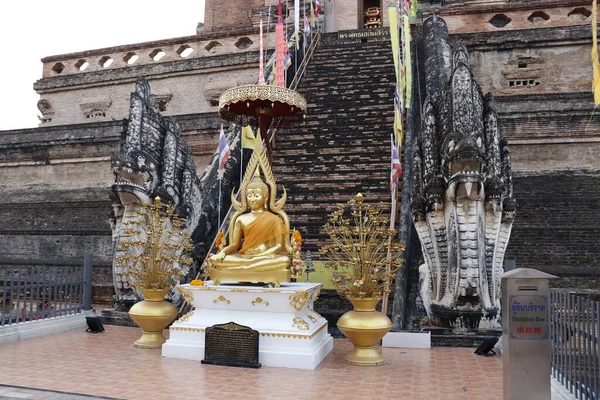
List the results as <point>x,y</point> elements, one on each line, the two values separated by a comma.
<point>31,30</point>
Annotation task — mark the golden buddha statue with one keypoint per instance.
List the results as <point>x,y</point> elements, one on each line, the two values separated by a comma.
<point>259,244</point>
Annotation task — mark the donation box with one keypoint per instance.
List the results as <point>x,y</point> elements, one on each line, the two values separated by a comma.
<point>526,334</point>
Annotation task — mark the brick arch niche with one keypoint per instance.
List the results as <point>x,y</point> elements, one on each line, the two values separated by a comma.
<point>538,17</point>
<point>579,14</point>
<point>500,20</point>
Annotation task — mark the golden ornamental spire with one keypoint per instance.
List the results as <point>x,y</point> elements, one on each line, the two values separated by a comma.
<point>259,167</point>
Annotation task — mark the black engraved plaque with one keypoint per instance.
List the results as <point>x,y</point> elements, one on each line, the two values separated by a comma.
<point>232,345</point>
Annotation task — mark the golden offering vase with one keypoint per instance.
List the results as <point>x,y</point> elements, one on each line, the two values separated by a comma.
<point>152,315</point>
<point>364,327</point>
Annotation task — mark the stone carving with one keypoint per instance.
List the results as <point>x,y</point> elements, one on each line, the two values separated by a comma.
<point>95,109</point>
<point>46,109</point>
<point>463,206</point>
<point>153,161</point>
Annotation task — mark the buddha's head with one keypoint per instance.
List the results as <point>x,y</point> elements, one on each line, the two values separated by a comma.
<point>257,193</point>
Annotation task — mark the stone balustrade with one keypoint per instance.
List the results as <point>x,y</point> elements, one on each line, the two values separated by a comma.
<point>511,15</point>
<point>163,51</point>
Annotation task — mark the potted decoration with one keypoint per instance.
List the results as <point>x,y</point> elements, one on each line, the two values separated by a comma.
<point>363,257</point>
<point>156,257</point>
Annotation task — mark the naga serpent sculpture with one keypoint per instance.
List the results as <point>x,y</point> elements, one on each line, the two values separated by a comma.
<point>154,160</point>
<point>463,206</point>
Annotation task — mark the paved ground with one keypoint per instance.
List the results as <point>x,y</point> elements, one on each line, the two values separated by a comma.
<point>15,392</point>
<point>107,365</point>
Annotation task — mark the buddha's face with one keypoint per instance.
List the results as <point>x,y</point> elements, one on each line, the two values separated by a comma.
<point>256,199</point>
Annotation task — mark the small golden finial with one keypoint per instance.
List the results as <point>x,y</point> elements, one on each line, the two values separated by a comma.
<point>359,197</point>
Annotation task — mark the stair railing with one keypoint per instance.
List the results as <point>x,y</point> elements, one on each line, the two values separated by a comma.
<point>307,57</point>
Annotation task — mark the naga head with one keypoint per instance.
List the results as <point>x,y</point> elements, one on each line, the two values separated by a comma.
<point>463,147</point>
<point>135,177</point>
<point>136,166</point>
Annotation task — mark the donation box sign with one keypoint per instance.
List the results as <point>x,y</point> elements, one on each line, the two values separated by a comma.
<point>528,316</point>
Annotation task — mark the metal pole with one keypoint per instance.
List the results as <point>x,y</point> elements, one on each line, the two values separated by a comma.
<point>10,296</point>
<point>582,352</point>
<point>578,371</point>
<point>565,353</point>
<point>87,282</point>
<point>552,332</point>
<point>588,306</point>
<point>30,287</point>
<point>596,329</point>
<point>4,298</point>
<point>18,306</point>
<point>571,339</point>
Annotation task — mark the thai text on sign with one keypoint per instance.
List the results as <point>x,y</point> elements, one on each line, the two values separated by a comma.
<point>528,316</point>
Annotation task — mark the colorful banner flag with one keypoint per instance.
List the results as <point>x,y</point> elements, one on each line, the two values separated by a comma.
<point>279,55</point>
<point>312,15</point>
<point>396,167</point>
<point>287,59</point>
<point>317,7</point>
<point>405,6</point>
<point>393,14</point>
<point>595,62</point>
<point>407,61</point>
<point>248,139</point>
<point>398,115</point>
<point>224,151</point>
<point>414,9</point>
<point>399,68</point>
<point>306,27</point>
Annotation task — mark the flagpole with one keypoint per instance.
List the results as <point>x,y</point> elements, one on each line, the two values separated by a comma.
<point>304,19</point>
<point>241,154</point>
<point>224,153</point>
<point>296,34</point>
<point>261,74</point>
<point>394,193</point>
<point>219,206</point>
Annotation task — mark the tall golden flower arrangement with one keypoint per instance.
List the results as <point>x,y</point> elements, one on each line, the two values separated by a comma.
<point>157,251</point>
<point>363,257</point>
<point>156,255</point>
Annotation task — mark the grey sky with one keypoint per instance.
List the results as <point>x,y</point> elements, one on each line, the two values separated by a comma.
<point>31,30</point>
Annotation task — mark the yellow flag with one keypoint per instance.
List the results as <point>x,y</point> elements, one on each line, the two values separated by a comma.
<point>392,12</point>
<point>414,8</point>
<point>247,137</point>
<point>398,125</point>
<point>312,15</point>
<point>595,62</point>
<point>407,61</point>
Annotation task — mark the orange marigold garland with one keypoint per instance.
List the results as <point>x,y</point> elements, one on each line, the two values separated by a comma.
<point>298,238</point>
<point>219,242</point>
<point>298,266</point>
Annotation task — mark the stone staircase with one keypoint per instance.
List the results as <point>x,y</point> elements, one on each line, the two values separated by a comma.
<point>343,147</point>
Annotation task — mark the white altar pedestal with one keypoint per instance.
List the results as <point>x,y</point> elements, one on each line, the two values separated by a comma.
<point>292,334</point>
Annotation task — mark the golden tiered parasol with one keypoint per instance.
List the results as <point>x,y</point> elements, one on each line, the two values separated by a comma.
<point>260,106</point>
